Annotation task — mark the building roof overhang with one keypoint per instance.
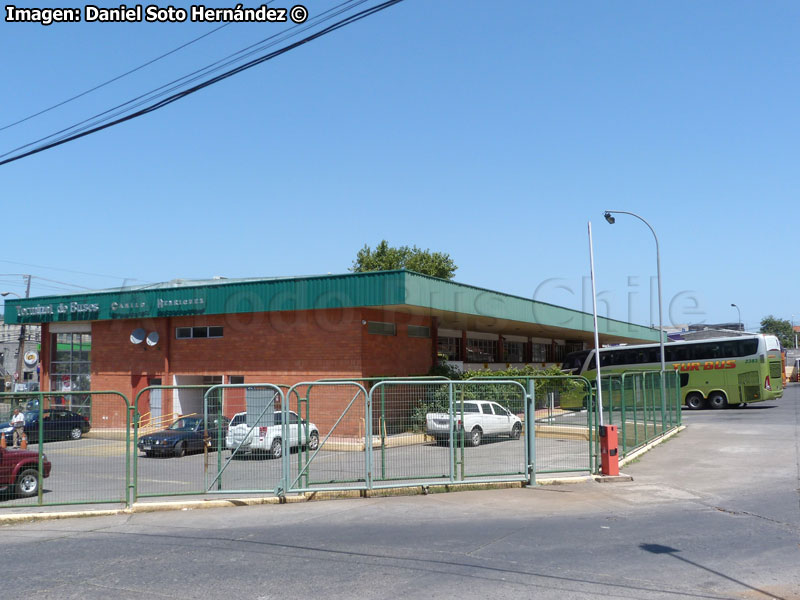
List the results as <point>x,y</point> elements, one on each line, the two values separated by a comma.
<point>456,305</point>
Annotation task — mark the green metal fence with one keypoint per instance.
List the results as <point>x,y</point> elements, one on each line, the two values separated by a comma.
<point>432,432</point>
<point>633,402</point>
<point>331,435</point>
<point>75,462</point>
<point>564,423</point>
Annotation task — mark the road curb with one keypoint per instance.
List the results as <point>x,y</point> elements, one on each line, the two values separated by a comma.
<point>647,447</point>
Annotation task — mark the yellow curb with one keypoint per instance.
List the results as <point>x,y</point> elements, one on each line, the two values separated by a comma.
<point>146,507</point>
<point>564,480</point>
<point>26,517</point>
<point>563,432</point>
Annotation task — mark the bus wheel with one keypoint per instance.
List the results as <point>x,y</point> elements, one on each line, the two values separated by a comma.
<point>694,401</point>
<point>717,400</point>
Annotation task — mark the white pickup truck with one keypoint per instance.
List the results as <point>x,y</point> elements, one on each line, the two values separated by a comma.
<point>242,438</point>
<point>481,418</point>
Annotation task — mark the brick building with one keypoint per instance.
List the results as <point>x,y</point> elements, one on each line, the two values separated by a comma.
<point>286,330</point>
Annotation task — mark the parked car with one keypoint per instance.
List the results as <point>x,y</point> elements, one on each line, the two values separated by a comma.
<point>57,424</point>
<point>267,438</point>
<point>187,434</point>
<point>19,471</point>
<point>482,418</point>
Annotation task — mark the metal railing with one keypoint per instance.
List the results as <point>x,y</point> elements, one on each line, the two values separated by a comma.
<point>361,434</point>
<point>632,400</point>
<point>76,463</point>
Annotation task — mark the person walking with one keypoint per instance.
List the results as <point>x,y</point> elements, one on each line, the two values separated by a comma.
<point>18,423</point>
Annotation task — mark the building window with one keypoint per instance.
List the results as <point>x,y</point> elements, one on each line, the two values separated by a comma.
<point>236,379</point>
<point>419,331</point>
<point>539,352</point>
<point>513,351</point>
<point>185,333</point>
<point>70,370</point>
<point>449,347</point>
<point>559,354</point>
<point>380,328</point>
<point>481,350</point>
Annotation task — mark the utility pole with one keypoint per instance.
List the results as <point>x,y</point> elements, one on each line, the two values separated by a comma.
<point>22,337</point>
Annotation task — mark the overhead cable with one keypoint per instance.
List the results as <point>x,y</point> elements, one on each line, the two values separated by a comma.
<point>179,95</point>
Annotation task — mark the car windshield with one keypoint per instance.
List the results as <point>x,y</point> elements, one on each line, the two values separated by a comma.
<point>185,424</point>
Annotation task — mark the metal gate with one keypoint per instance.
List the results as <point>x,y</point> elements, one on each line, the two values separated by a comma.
<point>435,432</point>
<point>72,461</point>
<point>338,411</point>
<point>561,422</point>
<point>255,438</point>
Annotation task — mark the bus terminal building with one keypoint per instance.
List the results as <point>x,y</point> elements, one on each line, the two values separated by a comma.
<point>290,329</point>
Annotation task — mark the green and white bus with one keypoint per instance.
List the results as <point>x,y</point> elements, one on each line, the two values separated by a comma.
<point>716,372</point>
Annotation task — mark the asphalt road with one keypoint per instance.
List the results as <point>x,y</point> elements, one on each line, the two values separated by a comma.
<point>712,513</point>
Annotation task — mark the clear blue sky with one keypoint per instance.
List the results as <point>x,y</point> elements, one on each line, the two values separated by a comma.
<point>489,130</point>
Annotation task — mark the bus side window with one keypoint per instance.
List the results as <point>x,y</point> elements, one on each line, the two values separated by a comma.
<point>684,379</point>
<point>747,347</point>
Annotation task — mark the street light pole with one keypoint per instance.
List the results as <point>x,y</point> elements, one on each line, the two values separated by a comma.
<point>608,216</point>
<point>596,333</point>
<point>741,326</point>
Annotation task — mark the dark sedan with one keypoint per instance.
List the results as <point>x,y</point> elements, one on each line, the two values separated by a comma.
<point>187,434</point>
<point>57,424</point>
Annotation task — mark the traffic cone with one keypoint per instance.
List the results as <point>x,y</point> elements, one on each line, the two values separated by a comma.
<point>3,440</point>
<point>24,443</point>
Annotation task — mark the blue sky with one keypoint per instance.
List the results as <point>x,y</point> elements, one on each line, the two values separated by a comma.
<point>491,131</point>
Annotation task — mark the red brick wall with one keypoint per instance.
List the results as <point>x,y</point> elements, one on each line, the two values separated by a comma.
<point>281,348</point>
<point>398,355</point>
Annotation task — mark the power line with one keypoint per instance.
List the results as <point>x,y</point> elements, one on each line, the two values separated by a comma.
<point>178,96</point>
<point>110,81</point>
<point>11,262</point>
<point>176,84</point>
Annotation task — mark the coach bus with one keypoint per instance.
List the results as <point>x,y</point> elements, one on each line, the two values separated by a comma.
<point>716,372</point>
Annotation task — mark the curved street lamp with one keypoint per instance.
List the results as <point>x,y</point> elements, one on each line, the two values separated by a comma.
<point>741,325</point>
<point>611,220</point>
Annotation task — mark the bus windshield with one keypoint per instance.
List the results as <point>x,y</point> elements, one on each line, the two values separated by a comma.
<point>574,361</point>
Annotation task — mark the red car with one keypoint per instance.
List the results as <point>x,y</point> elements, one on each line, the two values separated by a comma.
<point>19,471</point>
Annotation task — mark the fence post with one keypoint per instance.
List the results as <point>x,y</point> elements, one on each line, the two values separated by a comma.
<point>530,431</point>
<point>370,463</point>
<point>40,435</point>
<point>382,432</point>
<point>128,475</point>
<point>451,441</point>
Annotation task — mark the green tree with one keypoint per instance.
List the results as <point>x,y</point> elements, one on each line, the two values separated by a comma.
<point>388,258</point>
<point>779,327</point>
